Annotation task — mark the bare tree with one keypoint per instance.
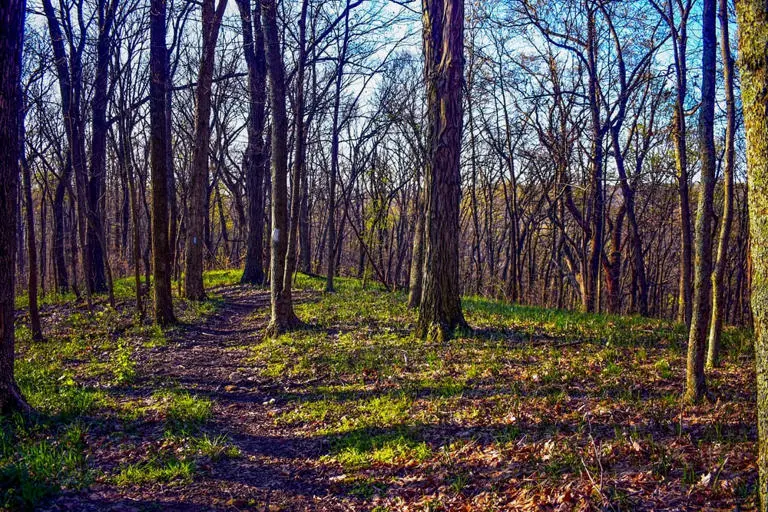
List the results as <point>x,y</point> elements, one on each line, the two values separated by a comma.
<point>440,310</point>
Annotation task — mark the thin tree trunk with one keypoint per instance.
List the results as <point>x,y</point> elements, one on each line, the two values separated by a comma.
<point>299,142</point>
<point>718,292</point>
<point>702,291</point>
<point>283,317</point>
<point>34,313</point>
<point>417,255</point>
<point>198,187</point>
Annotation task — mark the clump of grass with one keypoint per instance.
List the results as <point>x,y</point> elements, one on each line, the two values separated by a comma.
<point>215,448</point>
<point>184,412</point>
<point>663,368</point>
<point>362,448</point>
<point>155,471</point>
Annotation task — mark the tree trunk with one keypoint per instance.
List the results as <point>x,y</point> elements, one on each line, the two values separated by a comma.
<point>283,317</point>
<point>718,292</point>
<point>198,187</point>
<point>299,145</point>
<point>417,256</point>
<point>34,313</point>
<point>158,145</point>
<point>11,42</point>
<point>753,32</point>
<point>59,242</point>
<point>440,311</point>
<point>332,243</point>
<point>94,229</point>
<point>253,159</point>
<point>702,298</point>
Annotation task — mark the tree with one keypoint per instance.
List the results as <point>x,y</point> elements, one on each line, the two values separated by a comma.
<point>702,284</point>
<point>95,243</point>
<point>718,274</point>
<point>443,36</point>
<point>752,16</point>
<point>254,156</point>
<point>282,316</point>
<point>193,270</point>
<point>11,43</point>
<point>160,129</point>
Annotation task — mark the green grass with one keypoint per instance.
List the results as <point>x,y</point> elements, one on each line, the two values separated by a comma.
<point>183,412</point>
<point>153,472</point>
<point>36,462</point>
<point>381,402</point>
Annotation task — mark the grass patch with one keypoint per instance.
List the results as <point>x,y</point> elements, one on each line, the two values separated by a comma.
<point>154,471</point>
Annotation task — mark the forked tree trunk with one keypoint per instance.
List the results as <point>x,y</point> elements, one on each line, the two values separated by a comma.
<point>718,274</point>
<point>752,16</point>
<point>702,298</point>
<point>161,251</point>
<point>443,34</point>
<point>11,43</point>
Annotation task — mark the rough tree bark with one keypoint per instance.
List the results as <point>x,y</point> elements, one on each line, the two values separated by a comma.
<point>702,285</point>
<point>159,133</point>
<point>443,35</point>
<point>11,44</point>
<point>253,159</point>
<point>752,17</point>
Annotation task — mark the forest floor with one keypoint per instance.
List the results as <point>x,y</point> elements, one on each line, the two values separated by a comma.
<point>535,409</point>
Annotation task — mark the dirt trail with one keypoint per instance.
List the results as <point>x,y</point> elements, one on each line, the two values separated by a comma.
<point>277,469</point>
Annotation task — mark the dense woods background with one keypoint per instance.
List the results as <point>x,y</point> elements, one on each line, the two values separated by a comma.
<point>579,168</point>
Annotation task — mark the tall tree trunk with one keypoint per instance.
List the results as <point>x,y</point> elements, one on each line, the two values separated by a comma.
<point>679,134</point>
<point>702,291</point>
<point>718,305</point>
<point>299,145</point>
<point>34,313</point>
<point>59,242</point>
<point>591,301</point>
<point>253,159</point>
<point>753,65</point>
<point>11,43</point>
<point>160,131</point>
<point>283,317</point>
<point>198,186</point>
<point>94,229</point>
<point>332,242</point>
<point>443,35</point>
